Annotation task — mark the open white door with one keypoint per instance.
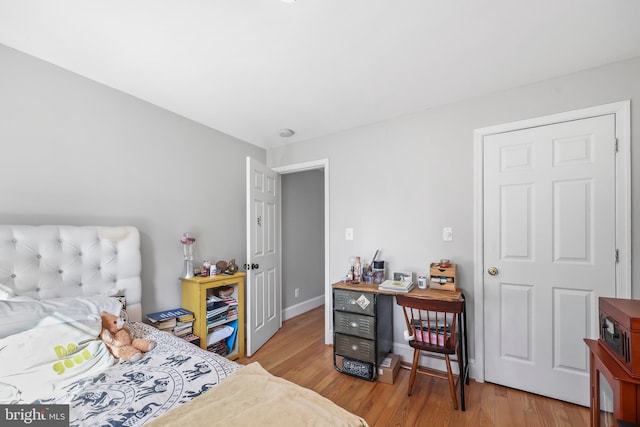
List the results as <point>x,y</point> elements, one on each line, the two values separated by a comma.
<point>264,287</point>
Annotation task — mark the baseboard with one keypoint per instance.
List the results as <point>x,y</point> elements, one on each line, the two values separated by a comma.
<point>303,307</point>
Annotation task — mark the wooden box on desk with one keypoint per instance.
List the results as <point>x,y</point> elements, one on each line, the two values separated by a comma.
<point>443,278</point>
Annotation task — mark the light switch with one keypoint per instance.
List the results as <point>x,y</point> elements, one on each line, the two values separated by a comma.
<point>447,234</point>
<point>348,233</point>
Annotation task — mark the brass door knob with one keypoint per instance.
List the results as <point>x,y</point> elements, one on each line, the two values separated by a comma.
<point>492,271</point>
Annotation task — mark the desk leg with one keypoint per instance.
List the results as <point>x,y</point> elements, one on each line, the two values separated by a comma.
<point>464,353</point>
<point>461,361</point>
<point>466,347</point>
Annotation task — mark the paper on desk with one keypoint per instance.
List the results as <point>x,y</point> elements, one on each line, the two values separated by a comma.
<point>386,363</point>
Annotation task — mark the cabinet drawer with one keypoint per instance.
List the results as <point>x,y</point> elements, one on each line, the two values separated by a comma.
<point>354,301</point>
<point>355,347</point>
<point>355,324</point>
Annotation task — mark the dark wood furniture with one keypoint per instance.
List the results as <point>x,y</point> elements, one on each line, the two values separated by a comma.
<point>625,398</point>
<point>620,331</point>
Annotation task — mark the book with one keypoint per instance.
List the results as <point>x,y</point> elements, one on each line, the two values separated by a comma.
<point>396,286</point>
<point>183,332</point>
<point>193,339</point>
<point>214,308</point>
<point>168,314</point>
<point>187,318</point>
<point>220,320</point>
<point>181,326</point>
<point>165,324</point>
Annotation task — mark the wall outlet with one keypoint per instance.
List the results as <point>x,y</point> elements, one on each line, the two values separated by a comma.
<point>296,292</point>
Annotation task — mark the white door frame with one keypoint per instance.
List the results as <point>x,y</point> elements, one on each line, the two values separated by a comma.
<point>324,165</point>
<point>622,111</point>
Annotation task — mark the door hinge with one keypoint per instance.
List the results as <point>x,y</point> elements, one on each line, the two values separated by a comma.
<point>617,256</point>
<point>617,145</point>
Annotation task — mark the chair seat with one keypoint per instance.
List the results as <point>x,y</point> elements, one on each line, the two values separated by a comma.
<point>448,348</point>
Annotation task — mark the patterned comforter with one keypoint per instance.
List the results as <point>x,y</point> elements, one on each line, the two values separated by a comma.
<point>129,394</point>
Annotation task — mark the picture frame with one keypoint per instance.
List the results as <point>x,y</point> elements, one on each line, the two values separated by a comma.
<point>402,276</point>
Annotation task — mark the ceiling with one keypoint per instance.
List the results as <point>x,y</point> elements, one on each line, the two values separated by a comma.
<point>249,68</point>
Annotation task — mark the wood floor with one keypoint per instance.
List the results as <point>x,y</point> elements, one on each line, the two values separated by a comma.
<point>298,353</point>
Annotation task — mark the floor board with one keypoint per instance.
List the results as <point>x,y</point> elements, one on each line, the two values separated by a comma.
<point>298,353</point>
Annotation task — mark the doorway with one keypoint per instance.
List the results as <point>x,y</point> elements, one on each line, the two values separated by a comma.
<point>321,165</point>
<point>302,230</point>
<point>516,143</point>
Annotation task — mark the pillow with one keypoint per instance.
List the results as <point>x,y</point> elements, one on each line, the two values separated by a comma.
<point>20,315</point>
<point>55,352</point>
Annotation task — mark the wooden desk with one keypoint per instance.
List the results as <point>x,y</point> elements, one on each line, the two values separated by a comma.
<point>626,389</point>
<point>463,363</point>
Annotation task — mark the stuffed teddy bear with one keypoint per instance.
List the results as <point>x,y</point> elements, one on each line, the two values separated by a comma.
<point>117,337</point>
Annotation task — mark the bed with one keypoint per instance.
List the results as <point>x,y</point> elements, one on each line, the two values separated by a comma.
<point>55,281</point>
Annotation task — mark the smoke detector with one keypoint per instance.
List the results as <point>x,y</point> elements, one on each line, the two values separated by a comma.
<point>286,133</point>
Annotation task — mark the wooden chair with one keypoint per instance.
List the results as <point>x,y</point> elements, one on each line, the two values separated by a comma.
<point>432,328</point>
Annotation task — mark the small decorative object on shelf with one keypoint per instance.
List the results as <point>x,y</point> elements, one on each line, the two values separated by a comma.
<point>187,243</point>
<point>357,271</point>
<point>206,268</point>
<point>442,275</point>
<point>233,267</point>
<point>222,266</point>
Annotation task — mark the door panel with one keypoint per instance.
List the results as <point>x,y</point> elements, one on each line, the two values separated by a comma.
<point>549,228</point>
<point>516,227</point>
<point>568,305</point>
<point>516,325</point>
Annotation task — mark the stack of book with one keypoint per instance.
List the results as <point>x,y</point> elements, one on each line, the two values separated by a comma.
<point>222,323</point>
<point>184,325</point>
<point>396,286</point>
<point>219,347</point>
<point>177,321</point>
<point>220,311</point>
<point>192,338</point>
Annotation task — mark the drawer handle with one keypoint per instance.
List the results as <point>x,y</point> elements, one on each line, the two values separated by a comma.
<point>354,324</point>
<point>354,347</point>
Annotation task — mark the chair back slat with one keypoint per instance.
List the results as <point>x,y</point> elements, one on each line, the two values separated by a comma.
<point>430,322</point>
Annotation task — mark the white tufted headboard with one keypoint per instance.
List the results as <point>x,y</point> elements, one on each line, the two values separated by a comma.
<point>50,261</point>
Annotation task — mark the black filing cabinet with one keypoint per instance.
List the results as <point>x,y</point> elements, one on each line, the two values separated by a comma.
<point>362,330</point>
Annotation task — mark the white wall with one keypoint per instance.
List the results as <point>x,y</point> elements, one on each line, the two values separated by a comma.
<point>77,152</point>
<point>399,182</point>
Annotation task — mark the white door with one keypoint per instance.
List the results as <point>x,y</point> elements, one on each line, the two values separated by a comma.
<point>264,301</point>
<point>549,227</point>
